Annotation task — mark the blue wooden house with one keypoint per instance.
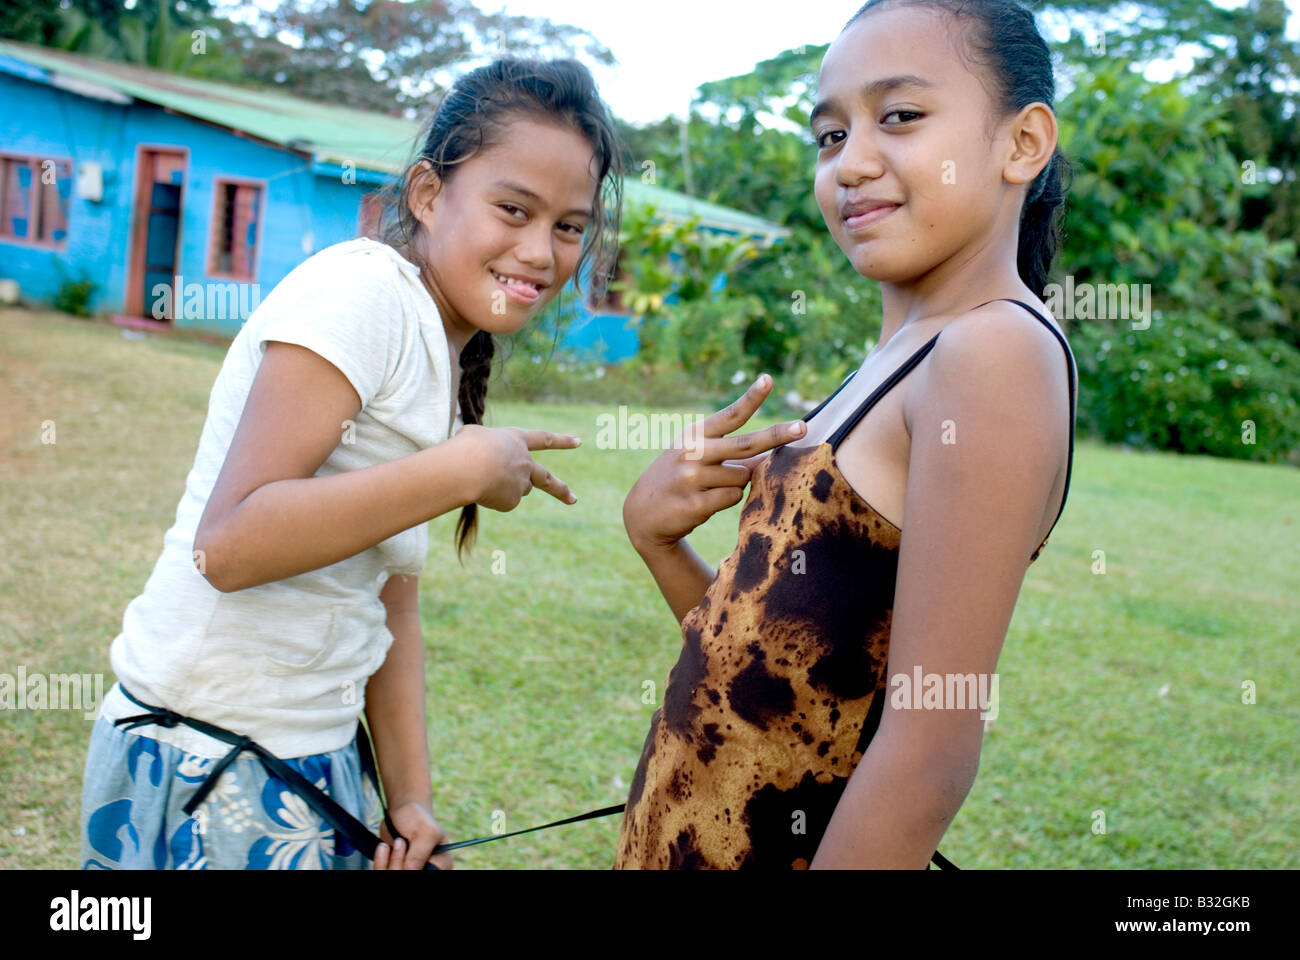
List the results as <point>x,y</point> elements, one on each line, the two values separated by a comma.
<point>185,200</point>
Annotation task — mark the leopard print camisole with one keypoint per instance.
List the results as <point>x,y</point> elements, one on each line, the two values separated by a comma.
<point>781,679</point>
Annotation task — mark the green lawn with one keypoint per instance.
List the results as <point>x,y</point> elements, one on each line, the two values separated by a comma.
<point>1119,692</point>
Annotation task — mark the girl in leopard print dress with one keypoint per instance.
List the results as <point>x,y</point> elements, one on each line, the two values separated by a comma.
<point>800,726</point>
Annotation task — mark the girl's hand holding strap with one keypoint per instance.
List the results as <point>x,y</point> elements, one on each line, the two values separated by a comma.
<point>420,835</point>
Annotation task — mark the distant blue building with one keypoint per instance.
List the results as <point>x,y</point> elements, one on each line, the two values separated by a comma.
<point>186,200</point>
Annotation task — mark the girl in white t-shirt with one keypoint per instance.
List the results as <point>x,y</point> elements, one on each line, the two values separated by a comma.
<point>285,601</point>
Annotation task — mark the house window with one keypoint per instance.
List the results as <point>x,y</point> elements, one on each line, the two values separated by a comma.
<point>235,222</point>
<point>34,200</point>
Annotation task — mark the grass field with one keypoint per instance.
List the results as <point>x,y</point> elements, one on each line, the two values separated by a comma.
<point>1119,692</point>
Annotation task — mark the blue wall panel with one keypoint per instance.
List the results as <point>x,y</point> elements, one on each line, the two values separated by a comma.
<point>305,207</point>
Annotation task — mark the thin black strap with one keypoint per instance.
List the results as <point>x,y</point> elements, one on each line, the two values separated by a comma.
<point>357,833</point>
<point>353,829</point>
<point>818,409</point>
<point>445,847</point>
<point>366,753</point>
<point>845,428</point>
<point>845,382</point>
<point>603,812</point>
<point>349,826</point>
<point>1069,369</point>
<point>942,862</point>
<point>838,436</point>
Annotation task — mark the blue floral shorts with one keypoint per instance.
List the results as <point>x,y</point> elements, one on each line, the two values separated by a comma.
<point>135,788</point>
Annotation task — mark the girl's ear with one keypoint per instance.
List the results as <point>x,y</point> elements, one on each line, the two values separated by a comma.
<point>424,189</point>
<point>1033,141</point>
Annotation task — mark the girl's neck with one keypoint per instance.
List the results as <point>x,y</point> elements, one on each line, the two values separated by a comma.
<point>948,290</point>
<point>458,332</point>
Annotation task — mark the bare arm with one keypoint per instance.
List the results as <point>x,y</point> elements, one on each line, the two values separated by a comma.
<point>680,573</point>
<point>269,516</point>
<point>395,699</point>
<point>973,509</point>
<point>395,708</point>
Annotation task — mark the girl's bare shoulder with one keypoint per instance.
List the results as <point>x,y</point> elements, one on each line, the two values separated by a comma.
<point>998,357</point>
<point>1004,339</point>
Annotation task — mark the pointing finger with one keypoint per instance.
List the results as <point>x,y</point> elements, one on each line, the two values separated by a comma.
<point>543,479</point>
<point>545,440</point>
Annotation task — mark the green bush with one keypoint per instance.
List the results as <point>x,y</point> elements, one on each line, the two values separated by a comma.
<point>531,365</point>
<point>1157,200</point>
<point>1189,385</point>
<point>74,296</point>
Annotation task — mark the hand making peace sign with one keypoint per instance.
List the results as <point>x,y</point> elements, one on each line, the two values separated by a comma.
<point>706,471</point>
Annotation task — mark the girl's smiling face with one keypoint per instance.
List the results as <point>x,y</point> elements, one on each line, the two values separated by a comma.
<point>502,235</point>
<point>911,159</point>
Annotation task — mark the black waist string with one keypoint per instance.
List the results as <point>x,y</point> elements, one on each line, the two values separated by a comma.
<point>357,833</point>
<point>343,822</point>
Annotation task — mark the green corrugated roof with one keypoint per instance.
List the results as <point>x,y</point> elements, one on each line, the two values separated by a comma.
<point>331,134</point>
<point>670,203</point>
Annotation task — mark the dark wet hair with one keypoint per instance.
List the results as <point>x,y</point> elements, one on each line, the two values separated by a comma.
<point>1019,67</point>
<point>472,117</point>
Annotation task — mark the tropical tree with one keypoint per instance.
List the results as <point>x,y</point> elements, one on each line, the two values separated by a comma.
<point>179,36</point>
<point>1159,200</point>
<point>388,56</point>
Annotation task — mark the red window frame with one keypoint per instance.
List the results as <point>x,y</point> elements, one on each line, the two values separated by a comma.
<point>241,204</point>
<point>43,204</point>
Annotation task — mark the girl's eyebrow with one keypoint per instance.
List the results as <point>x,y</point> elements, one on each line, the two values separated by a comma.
<point>875,89</point>
<point>534,196</point>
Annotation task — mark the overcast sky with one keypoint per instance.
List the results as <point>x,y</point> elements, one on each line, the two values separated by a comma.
<point>667,48</point>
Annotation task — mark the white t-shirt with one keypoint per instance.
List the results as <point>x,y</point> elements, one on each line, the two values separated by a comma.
<point>287,662</point>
